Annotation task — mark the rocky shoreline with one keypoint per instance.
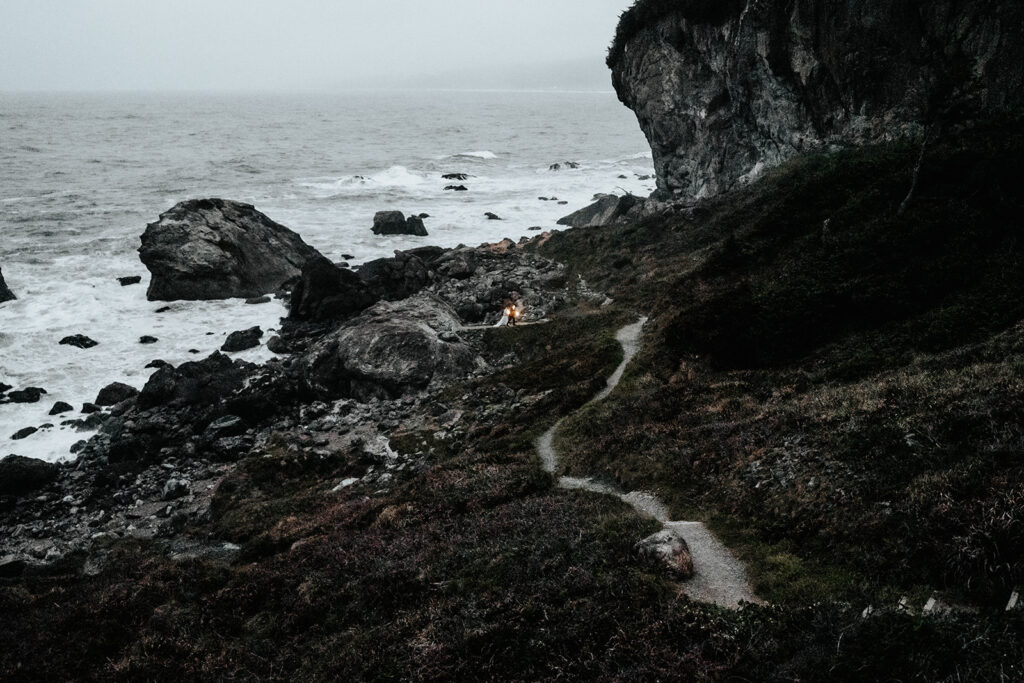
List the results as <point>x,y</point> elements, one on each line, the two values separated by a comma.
<point>365,353</point>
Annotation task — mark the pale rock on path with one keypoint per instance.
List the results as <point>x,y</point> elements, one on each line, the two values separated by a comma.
<point>718,577</point>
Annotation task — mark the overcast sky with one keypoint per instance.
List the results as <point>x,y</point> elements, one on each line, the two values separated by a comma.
<point>301,44</point>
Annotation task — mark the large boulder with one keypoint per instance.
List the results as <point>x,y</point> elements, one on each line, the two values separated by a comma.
<point>242,340</point>
<point>668,548</point>
<point>20,475</point>
<point>115,393</point>
<point>5,293</point>
<point>219,249</point>
<point>724,90</point>
<point>395,223</point>
<point>391,349</point>
<point>395,278</point>
<point>607,210</point>
<point>327,292</point>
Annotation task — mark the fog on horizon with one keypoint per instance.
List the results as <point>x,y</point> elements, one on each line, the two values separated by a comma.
<point>95,45</point>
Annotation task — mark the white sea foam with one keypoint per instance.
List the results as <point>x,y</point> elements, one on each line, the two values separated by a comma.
<point>483,154</point>
<point>328,166</point>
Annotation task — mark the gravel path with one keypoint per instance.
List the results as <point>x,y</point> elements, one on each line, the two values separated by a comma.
<point>718,577</point>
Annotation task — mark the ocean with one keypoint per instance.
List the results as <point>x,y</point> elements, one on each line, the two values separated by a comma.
<point>82,175</point>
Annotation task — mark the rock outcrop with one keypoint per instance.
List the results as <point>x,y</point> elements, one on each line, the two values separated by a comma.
<point>5,293</point>
<point>219,249</point>
<point>395,223</point>
<point>608,209</point>
<point>327,292</point>
<point>391,349</point>
<point>20,475</point>
<point>242,340</point>
<point>725,90</point>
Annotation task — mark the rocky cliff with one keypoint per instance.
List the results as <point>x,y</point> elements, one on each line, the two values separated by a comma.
<point>725,90</point>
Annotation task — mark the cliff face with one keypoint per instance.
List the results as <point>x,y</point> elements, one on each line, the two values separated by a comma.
<point>722,96</point>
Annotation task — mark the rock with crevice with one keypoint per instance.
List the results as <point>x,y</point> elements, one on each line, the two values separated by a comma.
<point>219,249</point>
<point>724,91</point>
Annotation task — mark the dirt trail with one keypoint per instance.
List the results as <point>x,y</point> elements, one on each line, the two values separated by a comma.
<point>718,576</point>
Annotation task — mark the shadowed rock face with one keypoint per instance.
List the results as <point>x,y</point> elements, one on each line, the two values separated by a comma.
<point>219,249</point>
<point>723,97</point>
<point>5,293</point>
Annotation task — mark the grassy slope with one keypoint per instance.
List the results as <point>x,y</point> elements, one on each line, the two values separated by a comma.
<point>837,387</point>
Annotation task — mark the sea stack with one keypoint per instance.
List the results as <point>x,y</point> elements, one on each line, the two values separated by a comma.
<point>219,249</point>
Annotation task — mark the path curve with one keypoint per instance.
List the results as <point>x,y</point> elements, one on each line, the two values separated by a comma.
<point>718,576</point>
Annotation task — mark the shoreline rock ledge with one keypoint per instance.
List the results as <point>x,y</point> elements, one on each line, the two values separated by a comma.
<point>219,249</point>
<point>5,293</point>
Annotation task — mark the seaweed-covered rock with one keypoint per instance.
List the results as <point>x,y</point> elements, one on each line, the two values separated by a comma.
<point>219,249</point>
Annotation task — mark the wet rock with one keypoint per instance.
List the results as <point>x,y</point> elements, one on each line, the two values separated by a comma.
<point>607,210</point>
<point>456,188</point>
<point>195,383</point>
<point>455,176</point>
<point>668,548</point>
<point>721,100</point>
<point>61,407</point>
<point>20,475</point>
<point>114,393</point>
<point>242,340</point>
<point>277,345</point>
<point>258,300</point>
<point>90,408</point>
<point>23,433</point>
<point>395,278</point>
<point>130,280</point>
<point>563,165</point>
<point>26,395</point>
<point>395,223</point>
<point>390,349</point>
<point>219,249</point>
<point>5,293</point>
<point>146,339</point>
<point>326,292</point>
<point>79,341</point>
<point>492,216</point>
<point>157,364</point>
